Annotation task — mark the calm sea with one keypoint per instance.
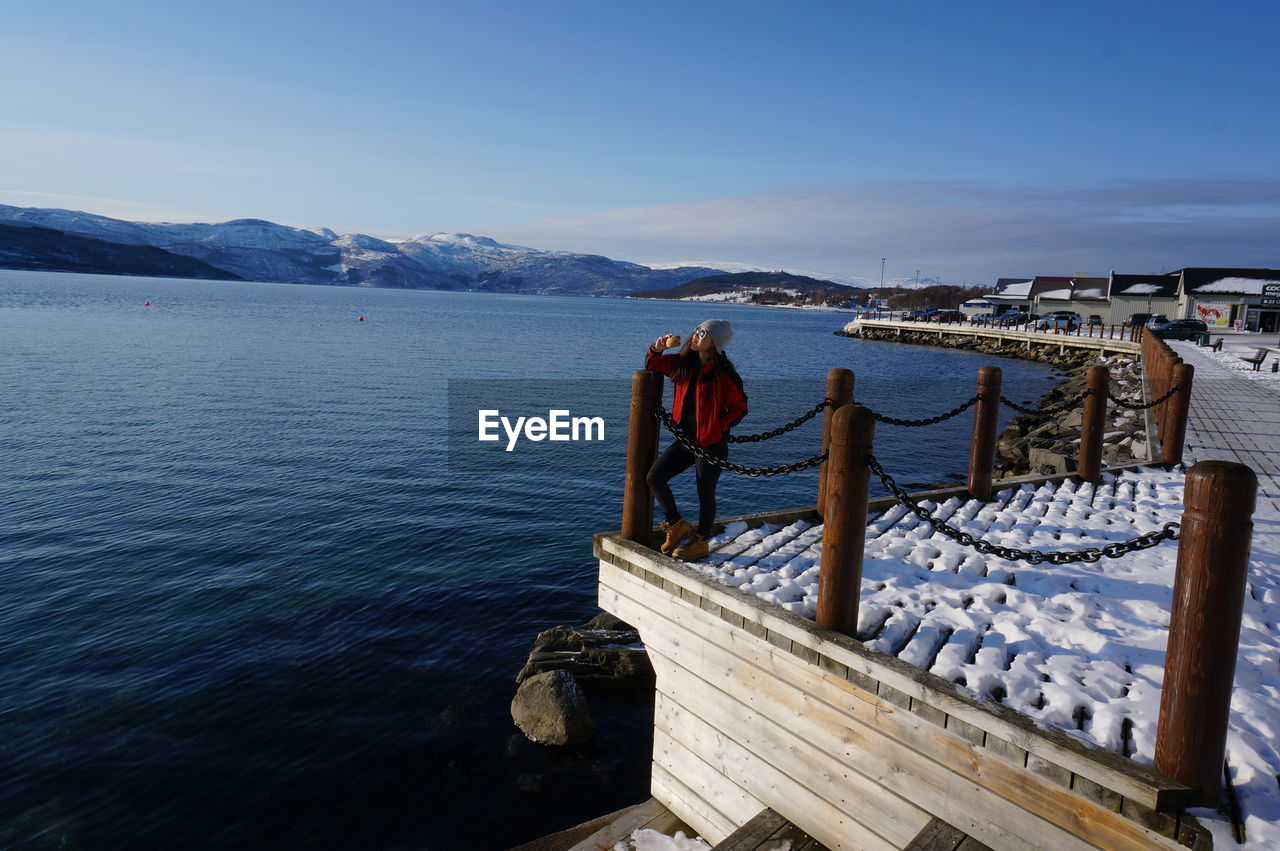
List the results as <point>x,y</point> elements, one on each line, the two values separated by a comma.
<point>246,599</point>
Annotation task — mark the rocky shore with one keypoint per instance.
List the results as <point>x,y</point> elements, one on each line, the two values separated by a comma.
<point>1047,441</point>
<point>603,658</point>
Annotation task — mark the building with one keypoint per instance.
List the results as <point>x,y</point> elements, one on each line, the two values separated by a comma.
<point>1050,293</point>
<point>1154,294</point>
<point>1230,298</point>
<point>1010,294</point>
<point>1246,299</point>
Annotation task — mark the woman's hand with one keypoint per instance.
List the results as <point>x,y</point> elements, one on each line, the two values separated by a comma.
<point>666,341</point>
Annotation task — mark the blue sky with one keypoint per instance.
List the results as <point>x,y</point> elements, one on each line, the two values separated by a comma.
<point>967,140</point>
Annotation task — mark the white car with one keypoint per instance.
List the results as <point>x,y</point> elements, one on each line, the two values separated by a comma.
<point>1062,320</point>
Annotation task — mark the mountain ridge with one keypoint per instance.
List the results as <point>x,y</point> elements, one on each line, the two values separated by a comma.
<point>757,288</point>
<point>261,250</point>
<point>41,249</point>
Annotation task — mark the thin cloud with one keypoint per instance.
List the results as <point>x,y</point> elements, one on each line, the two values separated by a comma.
<point>76,199</point>
<point>948,230</point>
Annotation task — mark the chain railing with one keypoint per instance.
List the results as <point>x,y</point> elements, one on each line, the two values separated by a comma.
<point>725,464</point>
<point>1115,549</point>
<point>794,424</point>
<point>1071,403</point>
<point>1137,406</point>
<point>964,406</point>
<point>1053,409</point>
<point>783,469</point>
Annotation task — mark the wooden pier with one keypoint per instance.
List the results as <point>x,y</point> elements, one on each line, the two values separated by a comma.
<point>763,714</point>
<point>757,707</point>
<point>1083,341</point>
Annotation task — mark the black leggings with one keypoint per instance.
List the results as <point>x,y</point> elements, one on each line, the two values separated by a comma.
<point>676,459</point>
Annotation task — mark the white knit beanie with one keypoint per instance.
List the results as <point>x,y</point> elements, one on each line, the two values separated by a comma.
<point>721,332</point>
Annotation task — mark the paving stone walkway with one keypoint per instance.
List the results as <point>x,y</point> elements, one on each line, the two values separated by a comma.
<point>1235,419</point>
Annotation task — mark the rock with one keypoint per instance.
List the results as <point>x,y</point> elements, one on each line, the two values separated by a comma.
<point>550,709</point>
<point>604,655</point>
<point>607,621</point>
<point>1043,460</point>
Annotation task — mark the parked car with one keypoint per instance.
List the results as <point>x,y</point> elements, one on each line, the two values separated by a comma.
<point>1137,319</point>
<point>1181,329</point>
<point>1094,319</point>
<point>947,316</point>
<point>1063,320</point>
<point>1157,320</point>
<point>1010,320</point>
<point>982,317</point>
<point>916,315</point>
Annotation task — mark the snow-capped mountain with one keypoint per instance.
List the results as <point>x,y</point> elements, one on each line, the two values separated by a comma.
<point>259,250</point>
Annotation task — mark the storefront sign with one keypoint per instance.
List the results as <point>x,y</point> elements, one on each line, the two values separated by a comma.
<point>1271,295</point>
<point>1214,315</point>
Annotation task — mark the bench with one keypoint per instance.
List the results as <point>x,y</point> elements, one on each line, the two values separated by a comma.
<point>1258,357</point>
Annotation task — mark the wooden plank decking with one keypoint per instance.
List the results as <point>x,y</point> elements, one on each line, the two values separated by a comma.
<point>601,834</point>
<point>759,708</point>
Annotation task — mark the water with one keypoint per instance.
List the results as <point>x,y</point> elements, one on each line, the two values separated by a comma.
<point>247,601</point>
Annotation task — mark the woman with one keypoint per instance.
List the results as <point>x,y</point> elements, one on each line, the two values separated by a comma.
<point>708,401</point>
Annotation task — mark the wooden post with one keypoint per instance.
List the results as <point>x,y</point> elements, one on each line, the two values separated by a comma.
<point>1175,423</point>
<point>844,529</point>
<point>1092,423</point>
<point>986,417</point>
<point>642,449</point>
<point>1167,363</point>
<point>1204,624</point>
<point>840,391</point>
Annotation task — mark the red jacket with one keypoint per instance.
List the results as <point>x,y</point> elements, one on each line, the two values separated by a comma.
<point>718,406</point>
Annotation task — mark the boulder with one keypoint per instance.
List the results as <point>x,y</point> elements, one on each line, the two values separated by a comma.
<point>1045,461</point>
<point>550,709</point>
<point>604,655</point>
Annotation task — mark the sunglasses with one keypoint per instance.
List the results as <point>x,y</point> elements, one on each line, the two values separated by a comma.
<point>700,332</point>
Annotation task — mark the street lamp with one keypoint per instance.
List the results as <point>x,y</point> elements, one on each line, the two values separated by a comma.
<point>881,273</point>
<point>917,278</point>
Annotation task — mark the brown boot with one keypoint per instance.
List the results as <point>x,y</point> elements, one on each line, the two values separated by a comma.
<point>696,548</point>
<point>676,532</point>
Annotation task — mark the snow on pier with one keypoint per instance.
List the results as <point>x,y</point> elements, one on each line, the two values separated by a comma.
<point>981,684</point>
<point>1079,647</point>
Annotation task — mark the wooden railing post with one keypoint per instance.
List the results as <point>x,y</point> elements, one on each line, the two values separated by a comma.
<point>840,391</point>
<point>986,417</point>
<point>1175,422</point>
<point>1204,624</point>
<point>642,449</point>
<point>1167,363</point>
<point>1092,423</point>
<point>844,529</point>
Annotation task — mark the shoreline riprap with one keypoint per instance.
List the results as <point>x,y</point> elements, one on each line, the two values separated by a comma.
<point>1047,441</point>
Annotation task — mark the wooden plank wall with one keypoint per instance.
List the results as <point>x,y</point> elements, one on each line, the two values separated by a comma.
<point>758,708</point>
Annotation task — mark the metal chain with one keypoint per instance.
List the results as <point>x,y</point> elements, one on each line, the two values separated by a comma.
<point>1062,406</point>
<point>724,464</point>
<point>930,420</point>
<point>1138,407</point>
<point>1090,554</point>
<point>796,423</point>
<point>1070,403</point>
